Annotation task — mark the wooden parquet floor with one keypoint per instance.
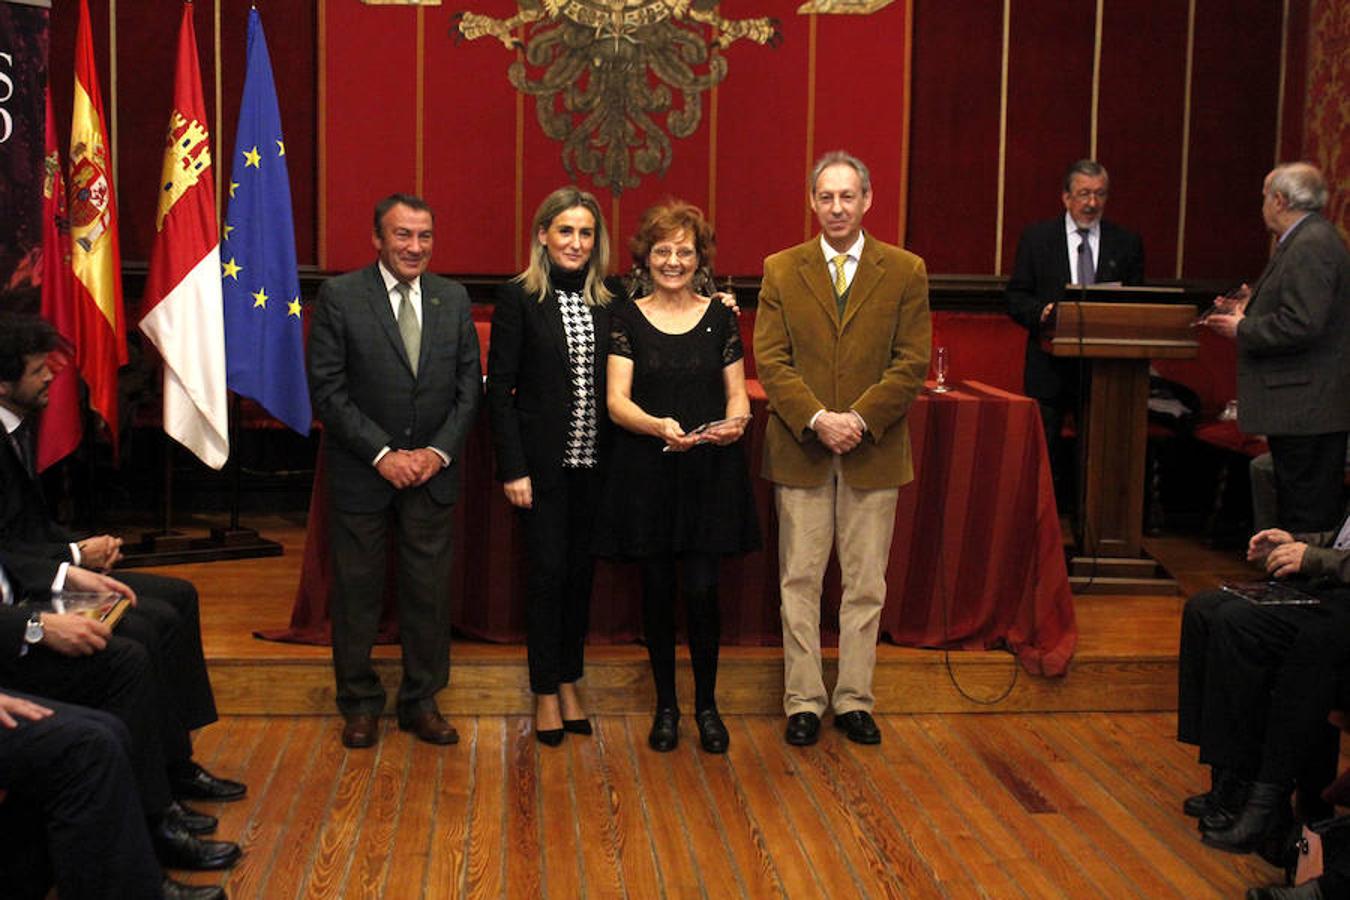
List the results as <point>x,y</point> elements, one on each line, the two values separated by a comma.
<point>1038,805</point>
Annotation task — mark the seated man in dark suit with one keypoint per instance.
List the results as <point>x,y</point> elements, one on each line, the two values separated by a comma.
<point>1256,683</point>
<point>69,809</point>
<point>78,660</point>
<point>1079,247</point>
<point>166,621</point>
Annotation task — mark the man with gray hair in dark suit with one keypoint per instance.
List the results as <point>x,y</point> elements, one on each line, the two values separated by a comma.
<point>1293,340</point>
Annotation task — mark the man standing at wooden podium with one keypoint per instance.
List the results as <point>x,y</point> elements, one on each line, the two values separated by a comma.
<point>1079,247</point>
<point>1293,342</point>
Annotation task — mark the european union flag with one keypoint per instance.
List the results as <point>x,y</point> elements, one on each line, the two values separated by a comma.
<point>264,337</point>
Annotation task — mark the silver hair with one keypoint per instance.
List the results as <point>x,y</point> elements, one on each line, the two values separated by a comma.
<point>1301,184</point>
<point>840,158</point>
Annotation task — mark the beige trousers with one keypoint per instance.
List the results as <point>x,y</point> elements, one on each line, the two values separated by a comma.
<point>810,521</point>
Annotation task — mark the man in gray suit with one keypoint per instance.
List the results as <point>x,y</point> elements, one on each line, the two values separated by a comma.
<point>395,377</point>
<point>1293,340</point>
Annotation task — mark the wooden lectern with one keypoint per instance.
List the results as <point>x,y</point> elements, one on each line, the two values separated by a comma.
<point>1118,339</point>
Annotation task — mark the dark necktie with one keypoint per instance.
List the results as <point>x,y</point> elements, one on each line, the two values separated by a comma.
<point>23,442</point>
<point>1087,273</point>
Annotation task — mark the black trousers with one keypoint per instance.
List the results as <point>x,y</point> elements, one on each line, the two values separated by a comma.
<point>1309,480</point>
<point>118,680</point>
<point>696,576</point>
<point>1256,684</point>
<point>558,586</point>
<point>422,528</point>
<point>72,804</point>
<point>175,613</point>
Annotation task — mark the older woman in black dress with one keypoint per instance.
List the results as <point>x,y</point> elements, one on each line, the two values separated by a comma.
<point>677,494</point>
<point>545,387</point>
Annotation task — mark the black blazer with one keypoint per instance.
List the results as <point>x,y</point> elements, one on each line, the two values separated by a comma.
<point>529,385</point>
<point>25,524</point>
<point>366,395</point>
<point>1039,274</point>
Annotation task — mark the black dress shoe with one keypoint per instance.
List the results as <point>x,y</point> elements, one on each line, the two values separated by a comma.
<point>360,730</point>
<point>858,726</point>
<point>712,734</point>
<point>577,726</point>
<point>665,734</point>
<point>1264,818</point>
<point>803,729</point>
<point>1309,890</point>
<point>176,890</point>
<point>1226,791</point>
<point>549,737</point>
<point>177,849</point>
<point>194,821</point>
<point>193,782</point>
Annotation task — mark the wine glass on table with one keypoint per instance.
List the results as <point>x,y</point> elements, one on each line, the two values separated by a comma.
<point>940,370</point>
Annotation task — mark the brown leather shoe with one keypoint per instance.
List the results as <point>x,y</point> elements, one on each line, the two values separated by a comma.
<point>361,730</point>
<point>431,727</point>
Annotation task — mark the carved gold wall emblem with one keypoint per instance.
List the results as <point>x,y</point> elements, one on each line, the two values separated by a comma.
<point>850,7</point>
<point>605,73</point>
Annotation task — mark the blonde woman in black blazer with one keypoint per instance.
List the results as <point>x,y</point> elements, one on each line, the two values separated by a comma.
<point>545,394</point>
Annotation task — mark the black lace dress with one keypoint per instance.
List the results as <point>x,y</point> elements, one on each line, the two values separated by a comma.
<point>698,501</point>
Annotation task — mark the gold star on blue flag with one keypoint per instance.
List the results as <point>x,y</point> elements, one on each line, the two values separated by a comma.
<point>264,343</point>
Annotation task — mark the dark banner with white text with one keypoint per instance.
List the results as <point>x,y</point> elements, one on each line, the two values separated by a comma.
<point>23,77</point>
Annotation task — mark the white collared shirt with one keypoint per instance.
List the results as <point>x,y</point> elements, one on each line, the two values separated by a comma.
<point>854,253</point>
<point>391,282</point>
<point>1073,239</point>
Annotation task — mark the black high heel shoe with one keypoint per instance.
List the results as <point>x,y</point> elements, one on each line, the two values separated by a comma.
<point>665,733</point>
<point>577,726</point>
<point>549,737</point>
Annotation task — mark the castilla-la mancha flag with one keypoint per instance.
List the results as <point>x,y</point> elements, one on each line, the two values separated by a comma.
<point>95,259</point>
<point>60,428</point>
<point>183,314</point>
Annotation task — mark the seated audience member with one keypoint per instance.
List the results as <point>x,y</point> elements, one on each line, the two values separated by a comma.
<point>1256,683</point>
<point>70,812</point>
<point>166,620</point>
<point>78,660</point>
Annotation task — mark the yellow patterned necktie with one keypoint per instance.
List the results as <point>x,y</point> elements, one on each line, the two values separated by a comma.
<point>840,276</point>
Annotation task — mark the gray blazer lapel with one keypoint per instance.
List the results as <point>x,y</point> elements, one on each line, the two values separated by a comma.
<point>434,326</point>
<point>381,310</point>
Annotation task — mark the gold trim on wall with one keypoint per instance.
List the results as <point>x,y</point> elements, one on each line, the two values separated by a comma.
<point>1185,139</point>
<point>420,114</point>
<point>902,223</point>
<point>523,249</point>
<point>713,110</point>
<point>1279,97</point>
<point>1096,77</point>
<point>1002,138</point>
<point>321,161</point>
<point>114,133</point>
<point>810,118</point>
<point>220,131</point>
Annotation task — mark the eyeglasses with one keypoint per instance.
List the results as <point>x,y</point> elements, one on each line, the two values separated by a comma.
<point>1085,194</point>
<point>663,253</point>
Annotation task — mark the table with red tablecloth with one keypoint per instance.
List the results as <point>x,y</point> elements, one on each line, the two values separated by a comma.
<point>977,561</point>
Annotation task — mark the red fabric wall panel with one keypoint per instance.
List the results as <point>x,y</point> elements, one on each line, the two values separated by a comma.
<point>1049,104</point>
<point>761,145</point>
<point>860,104</point>
<point>370,67</point>
<point>1144,56</point>
<point>1233,109</point>
<point>468,144</point>
<point>954,134</point>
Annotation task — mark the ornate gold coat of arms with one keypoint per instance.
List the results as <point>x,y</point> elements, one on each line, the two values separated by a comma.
<point>605,74</point>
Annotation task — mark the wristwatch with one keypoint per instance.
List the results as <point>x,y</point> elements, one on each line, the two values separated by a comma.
<point>34,633</point>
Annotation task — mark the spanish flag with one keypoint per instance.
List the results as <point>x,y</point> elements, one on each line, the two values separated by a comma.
<point>182,309</point>
<point>100,330</point>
